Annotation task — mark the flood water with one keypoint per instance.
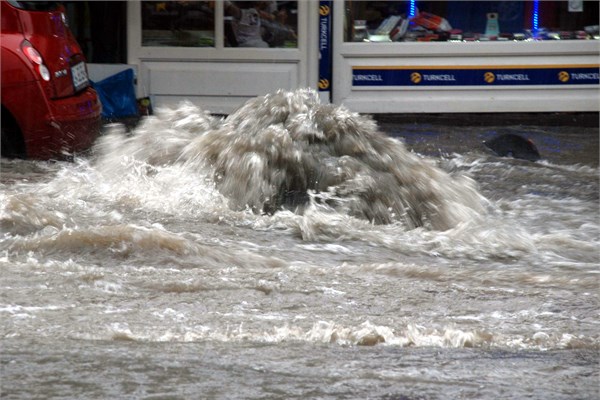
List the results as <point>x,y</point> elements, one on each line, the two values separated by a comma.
<point>299,251</point>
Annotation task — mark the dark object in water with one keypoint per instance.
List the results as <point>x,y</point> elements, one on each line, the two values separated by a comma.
<point>511,145</point>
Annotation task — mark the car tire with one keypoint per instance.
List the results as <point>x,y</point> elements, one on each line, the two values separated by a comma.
<point>12,144</point>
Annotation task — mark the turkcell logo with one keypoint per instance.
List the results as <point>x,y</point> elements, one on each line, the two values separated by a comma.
<point>475,76</point>
<point>405,77</point>
<point>575,77</point>
<point>367,78</point>
<point>325,65</point>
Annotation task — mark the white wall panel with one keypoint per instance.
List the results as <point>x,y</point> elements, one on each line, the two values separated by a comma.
<point>219,87</point>
<point>219,78</point>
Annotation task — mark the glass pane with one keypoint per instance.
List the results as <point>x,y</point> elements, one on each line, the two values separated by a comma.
<point>261,24</point>
<point>440,21</point>
<point>178,23</point>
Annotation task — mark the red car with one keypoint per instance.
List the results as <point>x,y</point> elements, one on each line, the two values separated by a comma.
<point>49,109</point>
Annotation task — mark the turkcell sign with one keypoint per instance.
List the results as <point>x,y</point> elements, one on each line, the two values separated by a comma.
<point>476,76</point>
<point>325,9</point>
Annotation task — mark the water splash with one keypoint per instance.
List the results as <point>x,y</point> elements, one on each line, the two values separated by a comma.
<point>286,150</point>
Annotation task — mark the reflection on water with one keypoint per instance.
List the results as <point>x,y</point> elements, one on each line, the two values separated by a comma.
<point>292,250</point>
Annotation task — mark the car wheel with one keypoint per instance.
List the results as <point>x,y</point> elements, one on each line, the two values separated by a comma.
<point>12,144</point>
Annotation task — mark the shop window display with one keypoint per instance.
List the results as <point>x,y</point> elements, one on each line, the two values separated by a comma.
<point>267,24</point>
<point>178,23</point>
<point>465,21</point>
<point>260,24</point>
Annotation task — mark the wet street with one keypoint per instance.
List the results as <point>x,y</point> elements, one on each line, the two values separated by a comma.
<point>299,251</point>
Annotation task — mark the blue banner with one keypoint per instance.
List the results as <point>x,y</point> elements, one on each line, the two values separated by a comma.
<point>476,76</point>
<point>325,9</point>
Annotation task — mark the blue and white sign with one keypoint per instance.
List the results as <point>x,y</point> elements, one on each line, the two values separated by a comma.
<point>325,10</point>
<point>477,75</point>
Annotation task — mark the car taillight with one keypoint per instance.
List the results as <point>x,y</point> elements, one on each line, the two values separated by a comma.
<point>35,57</point>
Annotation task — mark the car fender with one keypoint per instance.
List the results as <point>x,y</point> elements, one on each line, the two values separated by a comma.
<point>16,68</point>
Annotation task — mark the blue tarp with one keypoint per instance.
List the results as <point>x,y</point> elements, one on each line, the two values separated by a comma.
<point>117,95</point>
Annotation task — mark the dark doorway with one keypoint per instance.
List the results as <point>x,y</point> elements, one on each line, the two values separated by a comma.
<point>100,27</point>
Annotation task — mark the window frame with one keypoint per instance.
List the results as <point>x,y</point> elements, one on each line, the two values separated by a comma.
<point>219,52</point>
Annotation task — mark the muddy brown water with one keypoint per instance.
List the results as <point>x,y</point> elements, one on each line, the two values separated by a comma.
<point>148,269</point>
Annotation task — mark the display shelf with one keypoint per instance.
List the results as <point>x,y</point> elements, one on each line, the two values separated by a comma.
<point>492,75</point>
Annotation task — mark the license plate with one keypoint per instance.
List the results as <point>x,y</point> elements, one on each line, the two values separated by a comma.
<point>79,74</point>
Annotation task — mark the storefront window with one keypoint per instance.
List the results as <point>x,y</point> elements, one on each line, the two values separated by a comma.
<point>463,21</point>
<point>261,24</point>
<point>178,23</point>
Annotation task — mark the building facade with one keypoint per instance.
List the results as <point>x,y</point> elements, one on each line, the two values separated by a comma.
<point>372,56</point>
